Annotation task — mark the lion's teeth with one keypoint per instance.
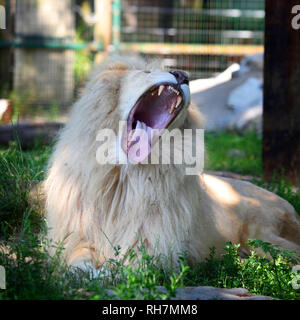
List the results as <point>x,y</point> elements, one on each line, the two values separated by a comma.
<point>172,108</point>
<point>160,90</point>
<point>179,99</point>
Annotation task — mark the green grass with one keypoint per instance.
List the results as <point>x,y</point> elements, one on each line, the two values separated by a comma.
<point>220,146</point>
<point>257,274</point>
<point>33,274</point>
<point>18,171</point>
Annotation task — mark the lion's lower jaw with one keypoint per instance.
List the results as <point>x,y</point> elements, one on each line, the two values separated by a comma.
<point>154,205</point>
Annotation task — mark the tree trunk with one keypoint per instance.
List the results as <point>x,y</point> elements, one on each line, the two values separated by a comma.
<point>165,20</point>
<point>7,53</point>
<point>281,120</point>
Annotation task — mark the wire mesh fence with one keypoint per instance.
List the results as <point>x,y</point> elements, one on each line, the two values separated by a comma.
<point>47,44</point>
<point>46,57</point>
<point>208,34</point>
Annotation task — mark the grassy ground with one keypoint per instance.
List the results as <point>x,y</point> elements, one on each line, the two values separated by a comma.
<point>33,274</point>
<point>233,152</point>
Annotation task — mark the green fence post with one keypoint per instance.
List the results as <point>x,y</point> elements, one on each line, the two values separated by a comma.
<point>116,24</point>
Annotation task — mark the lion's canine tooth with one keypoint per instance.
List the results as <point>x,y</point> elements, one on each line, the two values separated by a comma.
<point>179,99</point>
<point>160,90</point>
<point>172,108</point>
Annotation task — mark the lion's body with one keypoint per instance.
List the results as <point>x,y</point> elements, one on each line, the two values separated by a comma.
<point>94,207</point>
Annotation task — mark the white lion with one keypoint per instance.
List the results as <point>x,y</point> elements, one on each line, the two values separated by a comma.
<point>93,207</point>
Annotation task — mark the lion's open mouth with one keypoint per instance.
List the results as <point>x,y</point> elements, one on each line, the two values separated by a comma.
<point>152,113</point>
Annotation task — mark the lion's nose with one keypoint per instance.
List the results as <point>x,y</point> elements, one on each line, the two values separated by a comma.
<point>181,76</point>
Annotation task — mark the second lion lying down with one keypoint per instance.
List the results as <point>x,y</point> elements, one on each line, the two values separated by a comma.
<point>93,207</point>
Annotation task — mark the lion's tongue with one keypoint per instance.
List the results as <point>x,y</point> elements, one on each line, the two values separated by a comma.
<point>139,142</point>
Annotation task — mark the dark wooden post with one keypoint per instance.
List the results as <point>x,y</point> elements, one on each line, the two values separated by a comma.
<point>281,120</point>
<point>165,19</point>
<point>7,52</point>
